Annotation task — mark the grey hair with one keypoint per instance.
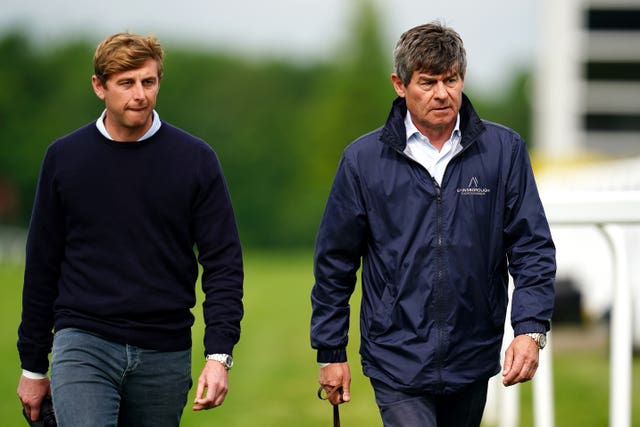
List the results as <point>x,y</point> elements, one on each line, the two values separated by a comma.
<point>433,48</point>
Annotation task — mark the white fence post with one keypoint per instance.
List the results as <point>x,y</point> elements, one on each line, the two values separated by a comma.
<point>543,408</point>
<point>607,210</point>
<point>509,397</point>
<point>621,348</point>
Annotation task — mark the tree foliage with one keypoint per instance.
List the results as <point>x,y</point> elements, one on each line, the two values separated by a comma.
<point>278,127</point>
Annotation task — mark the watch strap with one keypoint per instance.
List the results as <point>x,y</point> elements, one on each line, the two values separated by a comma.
<point>539,338</point>
<point>225,359</point>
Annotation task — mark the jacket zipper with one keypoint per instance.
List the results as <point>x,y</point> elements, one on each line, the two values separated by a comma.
<point>440,311</point>
<point>438,289</point>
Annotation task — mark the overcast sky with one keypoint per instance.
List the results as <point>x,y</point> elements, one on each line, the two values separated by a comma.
<point>498,34</point>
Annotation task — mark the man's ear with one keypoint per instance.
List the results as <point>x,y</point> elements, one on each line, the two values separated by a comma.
<point>398,85</point>
<point>97,87</point>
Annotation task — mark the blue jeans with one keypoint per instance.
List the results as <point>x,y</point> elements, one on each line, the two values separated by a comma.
<point>462,409</point>
<point>99,383</point>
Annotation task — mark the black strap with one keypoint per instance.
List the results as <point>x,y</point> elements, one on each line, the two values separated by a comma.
<point>336,416</point>
<point>325,395</point>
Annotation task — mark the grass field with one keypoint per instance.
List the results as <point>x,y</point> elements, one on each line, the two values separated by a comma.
<point>274,380</point>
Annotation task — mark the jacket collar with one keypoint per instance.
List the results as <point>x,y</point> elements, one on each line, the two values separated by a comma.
<point>394,133</point>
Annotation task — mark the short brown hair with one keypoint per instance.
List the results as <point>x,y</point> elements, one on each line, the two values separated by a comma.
<point>123,52</point>
<point>432,48</point>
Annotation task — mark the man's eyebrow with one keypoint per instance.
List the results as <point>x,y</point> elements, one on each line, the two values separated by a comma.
<point>426,77</point>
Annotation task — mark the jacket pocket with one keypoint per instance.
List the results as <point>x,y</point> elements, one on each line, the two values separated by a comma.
<point>497,302</point>
<point>381,321</point>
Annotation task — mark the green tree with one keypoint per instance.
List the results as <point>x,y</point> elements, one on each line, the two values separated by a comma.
<point>353,96</point>
<point>40,98</point>
<point>279,127</point>
<point>512,108</point>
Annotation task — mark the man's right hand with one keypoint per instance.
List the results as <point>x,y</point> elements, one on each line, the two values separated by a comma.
<point>31,393</point>
<point>332,377</point>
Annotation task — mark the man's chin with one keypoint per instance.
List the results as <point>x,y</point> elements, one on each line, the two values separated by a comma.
<point>440,124</point>
<point>138,120</point>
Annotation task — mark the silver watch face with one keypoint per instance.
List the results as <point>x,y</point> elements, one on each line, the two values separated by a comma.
<point>539,338</point>
<point>542,341</point>
<point>228,362</point>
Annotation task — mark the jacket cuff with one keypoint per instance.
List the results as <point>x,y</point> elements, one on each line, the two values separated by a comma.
<point>335,355</point>
<point>531,326</point>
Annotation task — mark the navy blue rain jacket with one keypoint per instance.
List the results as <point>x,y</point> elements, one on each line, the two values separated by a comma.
<point>435,258</point>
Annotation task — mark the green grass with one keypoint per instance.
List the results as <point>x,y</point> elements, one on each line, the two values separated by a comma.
<point>581,390</point>
<point>274,380</point>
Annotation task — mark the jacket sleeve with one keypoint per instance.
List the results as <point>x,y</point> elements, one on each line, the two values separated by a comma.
<point>220,254</point>
<point>339,247</point>
<point>530,248</point>
<point>44,253</point>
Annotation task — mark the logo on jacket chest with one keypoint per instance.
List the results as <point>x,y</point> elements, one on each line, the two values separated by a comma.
<point>473,188</point>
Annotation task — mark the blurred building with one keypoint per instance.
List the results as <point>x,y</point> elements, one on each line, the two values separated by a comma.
<point>588,79</point>
<point>587,130</point>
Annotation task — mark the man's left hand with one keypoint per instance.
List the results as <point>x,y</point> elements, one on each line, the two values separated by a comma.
<point>520,360</point>
<point>213,385</point>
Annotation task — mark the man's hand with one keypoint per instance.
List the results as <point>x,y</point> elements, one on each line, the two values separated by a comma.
<point>333,376</point>
<point>520,360</point>
<point>213,385</point>
<point>31,393</point>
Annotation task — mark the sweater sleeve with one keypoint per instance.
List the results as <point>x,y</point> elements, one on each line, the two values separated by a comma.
<point>530,249</point>
<point>44,252</point>
<point>220,254</point>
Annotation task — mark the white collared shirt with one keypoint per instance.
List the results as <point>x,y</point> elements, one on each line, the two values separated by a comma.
<point>422,151</point>
<point>155,125</point>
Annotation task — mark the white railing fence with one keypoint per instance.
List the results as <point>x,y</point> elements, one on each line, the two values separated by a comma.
<point>609,212</point>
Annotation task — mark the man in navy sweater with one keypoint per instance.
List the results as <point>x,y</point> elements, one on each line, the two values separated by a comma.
<point>111,269</point>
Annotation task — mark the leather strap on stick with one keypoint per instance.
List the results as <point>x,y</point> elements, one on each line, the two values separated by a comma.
<point>324,394</point>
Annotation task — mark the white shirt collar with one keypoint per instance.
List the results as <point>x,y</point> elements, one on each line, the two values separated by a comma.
<point>413,130</point>
<point>155,126</point>
<point>420,149</point>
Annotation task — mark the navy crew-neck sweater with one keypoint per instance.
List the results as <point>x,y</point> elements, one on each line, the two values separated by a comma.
<point>111,245</point>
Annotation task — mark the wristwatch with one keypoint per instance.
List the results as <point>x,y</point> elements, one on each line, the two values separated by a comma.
<point>539,338</point>
<point>225,359</point>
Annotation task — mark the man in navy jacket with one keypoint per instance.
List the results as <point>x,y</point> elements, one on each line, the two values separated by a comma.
<point>110,263</point>
<point>439,206</point>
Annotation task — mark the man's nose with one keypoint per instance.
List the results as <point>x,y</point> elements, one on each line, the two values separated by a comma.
<point>440,90</point>
<point>138,90</point>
